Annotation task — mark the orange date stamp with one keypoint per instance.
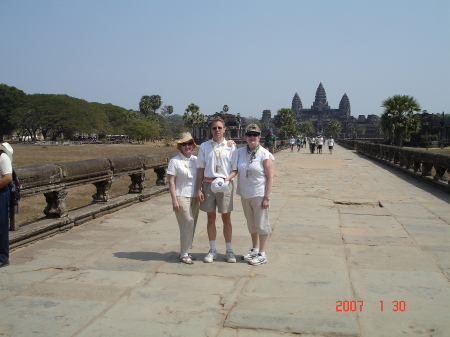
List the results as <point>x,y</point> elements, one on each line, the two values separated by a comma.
<point>342,306</point>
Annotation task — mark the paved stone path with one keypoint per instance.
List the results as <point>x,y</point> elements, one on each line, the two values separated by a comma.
<point>356,250</point>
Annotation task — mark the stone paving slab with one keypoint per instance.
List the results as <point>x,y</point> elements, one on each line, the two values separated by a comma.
<point>352,241</point>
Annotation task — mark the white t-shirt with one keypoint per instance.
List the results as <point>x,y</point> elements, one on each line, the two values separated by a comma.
<point>320,139</point>
<point>292,141</point>
<point>185,171</point>
<point>5,165</point>
<point>216,158</point>
<point>253,183</point>
<point>331,142</point>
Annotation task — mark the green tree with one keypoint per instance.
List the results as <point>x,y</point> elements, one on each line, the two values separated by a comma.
<point>192,117</point>
<point>140,128</point>
<point>10,99</point>
<point>176,125</point>
<point>306,128</point>
<point>351,128</point>
<point>399,118</point>
<point>166,110</point>
<point>360,130</point>
<point>145,105</point>
<point>155,102</point>
<point>149,104</point>
<point>117,117</point>
<point>286,122</point>
<point>334,127</point>
<point>57,115</point>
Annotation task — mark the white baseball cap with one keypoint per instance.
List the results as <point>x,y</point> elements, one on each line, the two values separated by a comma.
<point>219,185</point>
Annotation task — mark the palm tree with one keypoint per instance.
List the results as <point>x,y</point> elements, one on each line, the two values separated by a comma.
<point>306,128</point>
<point>145,105</point>
<point>351,128</point>
<point>285,121</point>
<point>334,127</point>
<point>192,117</point>
<point>399,117</point>
<point>360,130</point>
<point>149,104</point>
<point>155,102</point>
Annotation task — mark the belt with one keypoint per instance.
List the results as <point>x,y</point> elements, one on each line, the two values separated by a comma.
<point>209,180</point>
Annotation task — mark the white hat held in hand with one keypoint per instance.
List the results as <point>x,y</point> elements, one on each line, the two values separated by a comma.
<point>219,185</point>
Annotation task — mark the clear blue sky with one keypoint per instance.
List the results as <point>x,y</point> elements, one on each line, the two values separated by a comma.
<point>249,54</point>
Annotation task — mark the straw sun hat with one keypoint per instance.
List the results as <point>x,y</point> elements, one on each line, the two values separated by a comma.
<point>185,137</point>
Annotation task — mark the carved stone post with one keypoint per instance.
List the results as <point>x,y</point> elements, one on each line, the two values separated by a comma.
<point>440,171</point>
<point>103,187</point>
<point>137,182</point>
<point>417,166</point>
<point>426,169</point>
<point>56,204</point>
<point>161,176</point>
<point>409,163</point>
<point>396,159</point>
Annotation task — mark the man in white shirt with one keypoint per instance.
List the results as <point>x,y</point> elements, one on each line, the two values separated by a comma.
<point>215,160</point>
<point>319,144</point>
<point>330,145</point>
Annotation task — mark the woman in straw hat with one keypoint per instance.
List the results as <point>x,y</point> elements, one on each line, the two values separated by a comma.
<point>182,173</point>
<point>6,152</point>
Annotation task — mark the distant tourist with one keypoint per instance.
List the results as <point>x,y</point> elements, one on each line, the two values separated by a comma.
<point>270,141</point>
<point>213,167</point>
<point>182,173</point>
<point>292,143</point>
<point>319,144</point>
<point>312,144</point>
<point>6,152</point>
<point>255,181</point>
<point>299,143</point>
<point>330,145</point>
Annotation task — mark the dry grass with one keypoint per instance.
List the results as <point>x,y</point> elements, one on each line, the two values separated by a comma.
<point>31,208</point>
<point>445,150</point>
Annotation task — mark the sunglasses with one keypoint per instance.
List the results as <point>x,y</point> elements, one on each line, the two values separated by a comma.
<point>187,144</point>
<point>217,128</point>
<point>252,134</point>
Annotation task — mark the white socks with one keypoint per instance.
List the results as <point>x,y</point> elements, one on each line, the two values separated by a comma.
<point>212,245</point>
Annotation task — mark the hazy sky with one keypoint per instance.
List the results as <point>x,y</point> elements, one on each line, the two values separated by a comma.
<point>249,54</point>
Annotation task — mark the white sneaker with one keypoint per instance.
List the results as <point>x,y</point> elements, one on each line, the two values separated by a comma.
<point>259,259</point>
<point>211,256</point>
<point>230,257</point>
<point>248,257</point>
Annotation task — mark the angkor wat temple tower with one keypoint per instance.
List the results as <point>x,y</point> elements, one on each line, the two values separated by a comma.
<point>321,113</point>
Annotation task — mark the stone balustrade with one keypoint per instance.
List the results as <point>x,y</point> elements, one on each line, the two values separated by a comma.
<point>431,167</point>
<point>55,180</point>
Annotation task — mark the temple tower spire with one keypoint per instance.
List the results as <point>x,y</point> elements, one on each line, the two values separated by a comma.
<point>320,102</point>
<point>344,106</point>
<point>297,105</point>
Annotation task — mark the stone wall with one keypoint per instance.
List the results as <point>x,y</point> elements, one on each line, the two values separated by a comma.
<point>427,166</point>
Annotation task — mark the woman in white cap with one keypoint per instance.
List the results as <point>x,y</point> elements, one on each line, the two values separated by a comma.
<point>182,173</point>
<point>255,180</point>
<point>6,152</point>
